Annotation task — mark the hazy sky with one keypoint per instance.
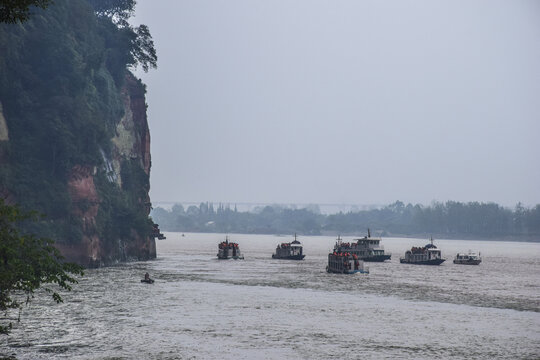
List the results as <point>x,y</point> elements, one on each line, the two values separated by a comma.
<point>333,101</point>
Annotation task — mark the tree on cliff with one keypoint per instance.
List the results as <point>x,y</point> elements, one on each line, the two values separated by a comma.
<point>121,10</point>
<point>12,11</point>
<point>28,262</point>
<point>141,46</point>
<point>140,49</point>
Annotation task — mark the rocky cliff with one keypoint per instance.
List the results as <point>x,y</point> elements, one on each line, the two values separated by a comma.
<point>131,143</point>
<point>74,136</point>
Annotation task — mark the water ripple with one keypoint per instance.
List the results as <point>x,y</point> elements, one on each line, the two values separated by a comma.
<point>259,308</point>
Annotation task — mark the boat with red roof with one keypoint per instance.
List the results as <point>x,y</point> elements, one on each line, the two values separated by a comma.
<point>229,250</point>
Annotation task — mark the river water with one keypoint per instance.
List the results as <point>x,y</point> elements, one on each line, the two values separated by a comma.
<point>259,308</point>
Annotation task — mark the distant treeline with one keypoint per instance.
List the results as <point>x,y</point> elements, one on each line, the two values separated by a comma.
<point>440,219</point>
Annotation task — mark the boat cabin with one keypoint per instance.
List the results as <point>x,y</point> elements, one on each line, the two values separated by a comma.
<point>345,263</point>
<point>471,258</point>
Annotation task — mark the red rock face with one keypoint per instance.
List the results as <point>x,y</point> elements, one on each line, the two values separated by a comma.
<point>83,193</point>
<point>91,250</point>
<point>85,200</point>
<point>87,253</point>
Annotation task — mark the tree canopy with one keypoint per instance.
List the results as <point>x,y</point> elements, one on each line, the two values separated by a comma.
<point>119,9</point>
<point>28,262</point>
<point>13,11</point>
<point>450,219</point>
<point>137,41</point>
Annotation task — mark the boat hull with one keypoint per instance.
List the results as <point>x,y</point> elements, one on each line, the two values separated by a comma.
<point>348,272</point>
<point>290,257</point>
<point>423,262</point>
<point>231,257</point>
<point>467,262</point>
<point>376,258</point>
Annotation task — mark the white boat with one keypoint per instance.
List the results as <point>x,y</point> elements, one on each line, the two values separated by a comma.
<point>471,258</point>
<point>366,248</point>
<point>289,251</point>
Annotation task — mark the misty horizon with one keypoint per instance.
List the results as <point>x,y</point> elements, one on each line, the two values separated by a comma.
<point>323,208</point>
<point>349,102</point>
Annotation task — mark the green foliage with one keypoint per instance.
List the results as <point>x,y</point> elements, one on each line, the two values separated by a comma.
<point>13,11</point>
<point>121,9</point>
<point>28,262</point>
<point>133,45</point>
<point>51,95</point>
<point>268,220</point>
<point>143,50</point>
<point>466,218</point>
<point>122,209</point>
<point>61,74</point>
<point>443,219</point>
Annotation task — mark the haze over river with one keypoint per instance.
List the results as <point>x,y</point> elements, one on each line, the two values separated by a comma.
<point>259,308</point>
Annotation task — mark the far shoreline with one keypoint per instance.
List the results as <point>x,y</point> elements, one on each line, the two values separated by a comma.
<point>386,235</point>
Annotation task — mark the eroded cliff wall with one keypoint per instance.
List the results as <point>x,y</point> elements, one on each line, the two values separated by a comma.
<point>89,188</point>
<point>130,145</point>
<point>74,136</point>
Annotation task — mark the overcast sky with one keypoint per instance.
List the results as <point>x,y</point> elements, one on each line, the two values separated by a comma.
<point>338,101</point>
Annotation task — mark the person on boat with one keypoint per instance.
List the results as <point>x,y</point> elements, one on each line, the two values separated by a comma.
<point>147,277</point>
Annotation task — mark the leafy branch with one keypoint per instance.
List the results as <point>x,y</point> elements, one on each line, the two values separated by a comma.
<point>28,262</point>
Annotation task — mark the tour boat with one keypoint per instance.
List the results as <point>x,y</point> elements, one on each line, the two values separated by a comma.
<point>289,251</point>
<point>427,255</point>
<point>345,263</point>
<point>471,258</point>
<point>366,248</point>
<point>229,250</point>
